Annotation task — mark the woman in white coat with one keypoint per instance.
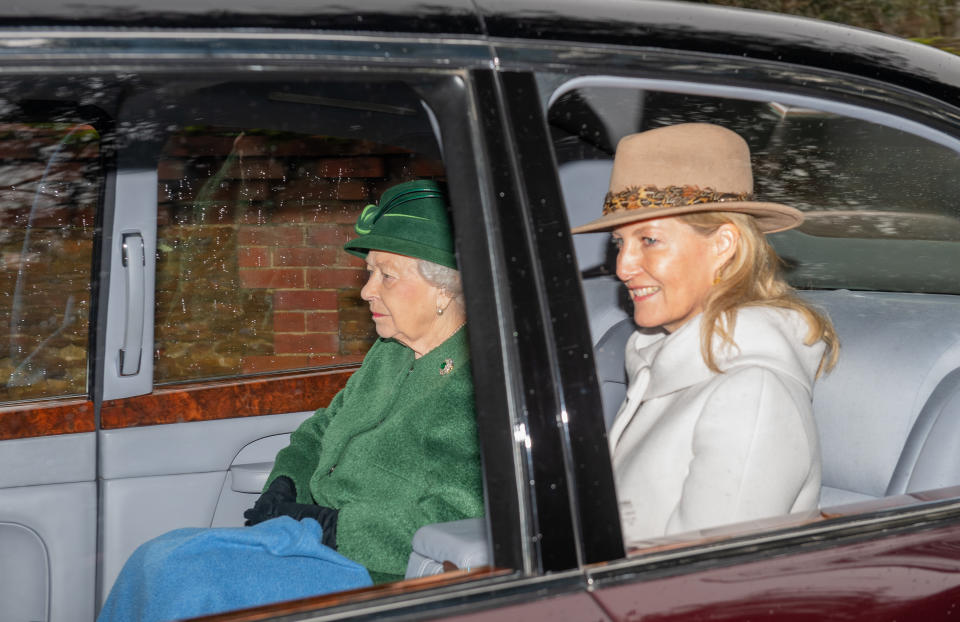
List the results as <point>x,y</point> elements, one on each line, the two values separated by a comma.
<point>717,425</point>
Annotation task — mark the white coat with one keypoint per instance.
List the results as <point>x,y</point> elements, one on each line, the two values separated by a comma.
<point>693,449</point>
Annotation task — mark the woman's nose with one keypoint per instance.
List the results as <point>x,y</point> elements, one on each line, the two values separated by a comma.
<point>367,292</point>
<point>628,264</point>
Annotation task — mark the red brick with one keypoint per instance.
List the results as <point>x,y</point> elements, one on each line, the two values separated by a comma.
<point>254,364</point>
<point>319,235</point>
<point>255,216</point>
<point>230,190</point>
<point>271,278</point>
<point>425,167</point>
<point>253,257</point>
<point>246,190</point>
<point>304,256</point>
<point>290,322</point>
<point>344,213</point>
<point>335,278</point>
<point>351,190</point>
<point>304,300</point>
<point>323,322</point>
<point>270,236</point>
<point>301,190</point>
<point>250,146</point>
<point>194,145</point>
<point>346,260</point>
<point>170,169</point>
<point>288,213</point>
<point>336,168</point>
<point>285,343</point>
<point>256,168</point>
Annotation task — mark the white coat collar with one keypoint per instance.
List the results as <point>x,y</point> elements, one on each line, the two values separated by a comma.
<point>765,337</point>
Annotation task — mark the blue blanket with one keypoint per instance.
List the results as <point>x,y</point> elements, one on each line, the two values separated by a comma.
<point>196,571</point>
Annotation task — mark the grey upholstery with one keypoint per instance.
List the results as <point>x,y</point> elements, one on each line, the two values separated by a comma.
<point>931,458</point>
<point>584,184</point>
<point>611,374</point>
<point>889,414</point>
<point>462,542</point>
<point>607,304</point>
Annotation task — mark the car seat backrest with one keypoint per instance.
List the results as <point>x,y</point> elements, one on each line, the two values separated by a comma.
<point>609,355</point>
<point>892,388</point>
<point>888,414</point>
<point>930,458</point>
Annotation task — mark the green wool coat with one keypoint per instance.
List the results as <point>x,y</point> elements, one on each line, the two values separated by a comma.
<point>395,450</point>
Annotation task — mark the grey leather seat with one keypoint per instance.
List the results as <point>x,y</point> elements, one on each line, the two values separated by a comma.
<point>889,413</point>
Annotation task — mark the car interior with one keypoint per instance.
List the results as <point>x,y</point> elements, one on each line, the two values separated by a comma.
<point>889,412</point>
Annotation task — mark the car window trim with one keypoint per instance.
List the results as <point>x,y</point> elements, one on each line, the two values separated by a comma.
<point>687,87</point>
<point>579,423</point>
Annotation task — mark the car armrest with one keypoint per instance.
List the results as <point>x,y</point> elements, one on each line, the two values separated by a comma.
<point>250,478</point>
<point>462,544</point>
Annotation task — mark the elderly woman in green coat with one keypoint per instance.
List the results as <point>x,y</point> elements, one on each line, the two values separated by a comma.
<point>396,449</point>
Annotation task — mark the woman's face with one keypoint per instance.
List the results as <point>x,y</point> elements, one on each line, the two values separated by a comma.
<point>669,268</point>
<point>404,305</point>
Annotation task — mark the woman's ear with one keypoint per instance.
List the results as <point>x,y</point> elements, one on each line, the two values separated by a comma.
<point>725,240</point>
<point>443,300</point>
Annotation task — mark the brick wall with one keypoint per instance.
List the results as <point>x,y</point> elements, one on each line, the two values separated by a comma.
<point>250,250</point>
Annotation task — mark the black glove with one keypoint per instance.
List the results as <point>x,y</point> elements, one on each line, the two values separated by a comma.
<point>281,490</point>
<point>327,517</point>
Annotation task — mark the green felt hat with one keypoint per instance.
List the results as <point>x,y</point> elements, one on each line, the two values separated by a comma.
<point>411,219</point>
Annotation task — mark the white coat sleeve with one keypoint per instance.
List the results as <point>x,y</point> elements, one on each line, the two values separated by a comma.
<point>751,451</point>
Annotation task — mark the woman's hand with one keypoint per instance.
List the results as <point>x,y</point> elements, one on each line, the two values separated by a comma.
<point>327,517</point>
<point>281,490</point>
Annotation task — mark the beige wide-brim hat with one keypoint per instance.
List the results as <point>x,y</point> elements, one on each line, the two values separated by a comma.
<point>682,169</point>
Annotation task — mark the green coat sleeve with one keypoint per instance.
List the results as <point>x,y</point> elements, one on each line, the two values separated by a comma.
<point>299,459</point>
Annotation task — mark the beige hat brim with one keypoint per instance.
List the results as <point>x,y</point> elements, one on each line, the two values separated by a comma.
<point>770,217</point>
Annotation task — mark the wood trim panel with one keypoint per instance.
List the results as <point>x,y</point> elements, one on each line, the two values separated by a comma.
<point>351,597</point>
<point>226,399</point>
<point>68,416</point>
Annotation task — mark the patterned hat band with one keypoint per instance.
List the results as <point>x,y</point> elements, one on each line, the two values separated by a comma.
<point>648,197</point>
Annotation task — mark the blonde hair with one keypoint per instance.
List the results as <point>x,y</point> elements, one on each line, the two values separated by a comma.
<point>751,277</point>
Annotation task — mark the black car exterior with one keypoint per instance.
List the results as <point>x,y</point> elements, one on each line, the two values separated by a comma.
<point>141,77</point>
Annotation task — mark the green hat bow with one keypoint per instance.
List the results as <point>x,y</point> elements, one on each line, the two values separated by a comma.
<point>410,219</point>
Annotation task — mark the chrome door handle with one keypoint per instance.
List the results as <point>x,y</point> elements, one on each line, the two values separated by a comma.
<point>134,262</point>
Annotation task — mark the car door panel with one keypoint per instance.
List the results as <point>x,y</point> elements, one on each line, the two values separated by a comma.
<point>165,476</point>
<point>58,562</point>
<point>52,164</point>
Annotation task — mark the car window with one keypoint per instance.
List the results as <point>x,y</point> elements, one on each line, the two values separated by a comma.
<point>49,186</point>
<point>868,190</point>
<point>251,273</point>
<point>877,253</point>
<point>258,183</point>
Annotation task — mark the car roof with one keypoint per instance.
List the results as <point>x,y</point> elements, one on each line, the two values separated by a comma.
<point>649,23</point>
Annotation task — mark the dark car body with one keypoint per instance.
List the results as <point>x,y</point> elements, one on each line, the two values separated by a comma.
<point>513,91</point>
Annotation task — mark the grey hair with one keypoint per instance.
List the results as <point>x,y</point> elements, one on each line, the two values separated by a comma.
<point>443,277</point>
